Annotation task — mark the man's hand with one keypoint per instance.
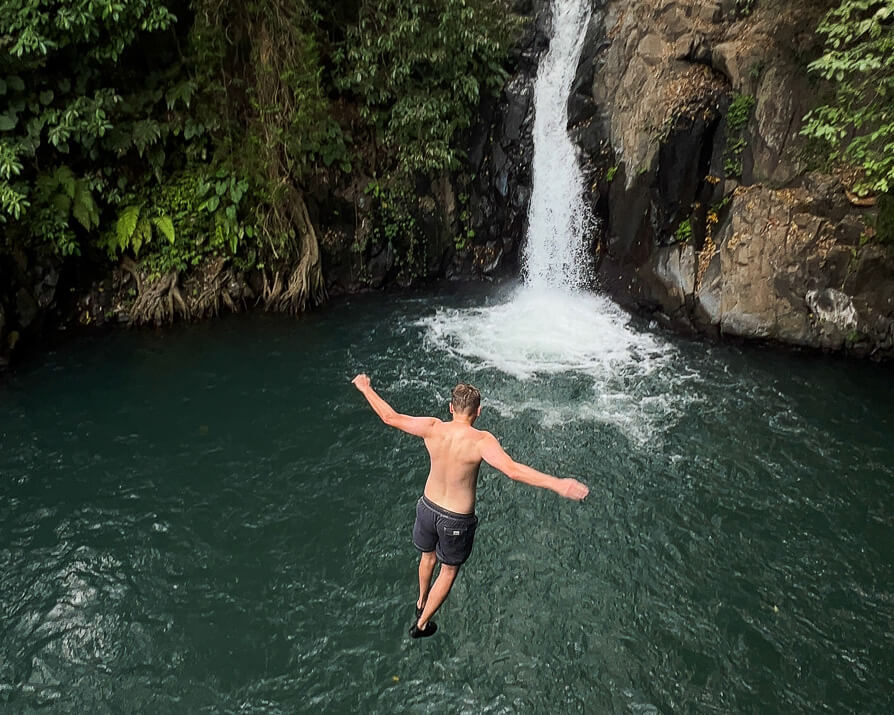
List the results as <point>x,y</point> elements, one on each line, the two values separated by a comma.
<point>573,489</point>
<point>361,382</point>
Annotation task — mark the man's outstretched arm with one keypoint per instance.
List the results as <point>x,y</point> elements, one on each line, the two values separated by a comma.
<point>495,456</point>
<point>417,426</point>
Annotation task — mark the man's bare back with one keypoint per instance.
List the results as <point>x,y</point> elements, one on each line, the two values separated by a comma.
<point>455,452</point>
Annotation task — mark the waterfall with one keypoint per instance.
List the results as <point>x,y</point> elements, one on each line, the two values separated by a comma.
<point>555,254</point>
<point>551,328</point>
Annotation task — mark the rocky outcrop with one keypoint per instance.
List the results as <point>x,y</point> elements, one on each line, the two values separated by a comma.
<point>786,269</point>
<point>688,116</point>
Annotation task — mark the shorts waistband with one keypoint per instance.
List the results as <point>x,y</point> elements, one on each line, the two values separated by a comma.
<point>444,512</point>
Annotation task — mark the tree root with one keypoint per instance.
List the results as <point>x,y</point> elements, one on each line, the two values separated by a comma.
<point>213,284</point>
<point>163,300</point>
<point>155,302</point>
<point>304,287</point>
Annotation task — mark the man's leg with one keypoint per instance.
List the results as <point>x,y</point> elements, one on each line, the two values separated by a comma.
<point>438,593</point>
<point>426,568</point>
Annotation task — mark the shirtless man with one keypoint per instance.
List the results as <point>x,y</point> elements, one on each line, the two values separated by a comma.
<point>445,514</point>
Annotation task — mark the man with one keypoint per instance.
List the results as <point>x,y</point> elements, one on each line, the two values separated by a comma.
<point>445,514</point>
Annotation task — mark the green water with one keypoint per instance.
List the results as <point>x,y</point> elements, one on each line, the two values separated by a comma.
<point>210,518</point>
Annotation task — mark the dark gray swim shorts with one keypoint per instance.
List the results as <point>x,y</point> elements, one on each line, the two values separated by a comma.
<point>448,534</point>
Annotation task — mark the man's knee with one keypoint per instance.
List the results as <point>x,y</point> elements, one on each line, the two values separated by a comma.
<point>428,557</point>
<point>449,570</point>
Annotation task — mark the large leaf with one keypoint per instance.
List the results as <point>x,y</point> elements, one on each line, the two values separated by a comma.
<point>84,208</point>
<point>66,180</point>
<point>145,133</point>
<point>62,204</point>
<point>127,225</point>
<point>165,227</point>
<point>141,236</point>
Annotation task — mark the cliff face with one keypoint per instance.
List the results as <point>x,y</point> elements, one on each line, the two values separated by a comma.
<point>688,116</point>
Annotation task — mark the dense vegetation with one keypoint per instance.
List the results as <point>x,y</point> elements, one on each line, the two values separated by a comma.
<point>856,124</point>
<point>177,133</point>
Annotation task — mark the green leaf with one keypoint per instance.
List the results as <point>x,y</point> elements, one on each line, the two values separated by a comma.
<point>62,204</point>
<point>165,226</point>
<point>15,83</point>
<point>8,122</point>
<point>143,234</point>
<point>2,86</point>
<point>84,208</point>
<point>66,180</point>
<point>127,225</point>
<point>46,97</point>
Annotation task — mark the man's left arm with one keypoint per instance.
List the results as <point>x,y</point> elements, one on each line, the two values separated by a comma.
<point>416,426</point>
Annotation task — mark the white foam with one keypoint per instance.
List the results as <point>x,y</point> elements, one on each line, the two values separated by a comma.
<point>588,362</point>
<point>545,331</point>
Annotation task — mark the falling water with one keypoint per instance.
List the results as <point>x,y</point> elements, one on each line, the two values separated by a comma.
<point>555,255</point>
<point>551,326</point>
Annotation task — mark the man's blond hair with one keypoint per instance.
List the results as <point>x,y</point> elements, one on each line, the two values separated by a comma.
<point>465,399</point>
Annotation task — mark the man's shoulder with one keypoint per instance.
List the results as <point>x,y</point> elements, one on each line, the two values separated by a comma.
<point>482,436</point>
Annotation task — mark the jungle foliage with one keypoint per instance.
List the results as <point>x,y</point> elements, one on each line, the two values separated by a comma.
<point>173,131</point>
<point>857,123</point>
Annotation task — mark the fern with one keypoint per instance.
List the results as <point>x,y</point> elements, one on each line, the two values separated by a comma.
<point>83,207</point>
<point>165,226</point>
<point>133,229</point>
<point>65,180</point>
<point>127,225</point>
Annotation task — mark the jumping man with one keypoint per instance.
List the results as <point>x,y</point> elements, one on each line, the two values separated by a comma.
<point>445,514</point>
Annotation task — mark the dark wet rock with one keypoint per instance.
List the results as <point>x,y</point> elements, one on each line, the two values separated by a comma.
<point>380,265</point>
<point>27,308</point>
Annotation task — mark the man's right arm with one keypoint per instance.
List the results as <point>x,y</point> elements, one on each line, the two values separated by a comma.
<point>416,426</point>
<point>495,456</point>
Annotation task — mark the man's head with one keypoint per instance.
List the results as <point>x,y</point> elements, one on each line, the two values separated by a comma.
<point>465,400</point>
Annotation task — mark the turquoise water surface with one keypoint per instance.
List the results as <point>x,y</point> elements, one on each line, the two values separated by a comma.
<point>210,518</point>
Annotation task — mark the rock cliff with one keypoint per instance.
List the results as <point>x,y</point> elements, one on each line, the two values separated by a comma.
<point>688,116</point>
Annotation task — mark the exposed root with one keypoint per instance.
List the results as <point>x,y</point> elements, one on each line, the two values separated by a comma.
<point>861,201</point>
<point>164,300</point>
<point>155,303</point>
<point>304,287</point>
<point>128,265</point>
